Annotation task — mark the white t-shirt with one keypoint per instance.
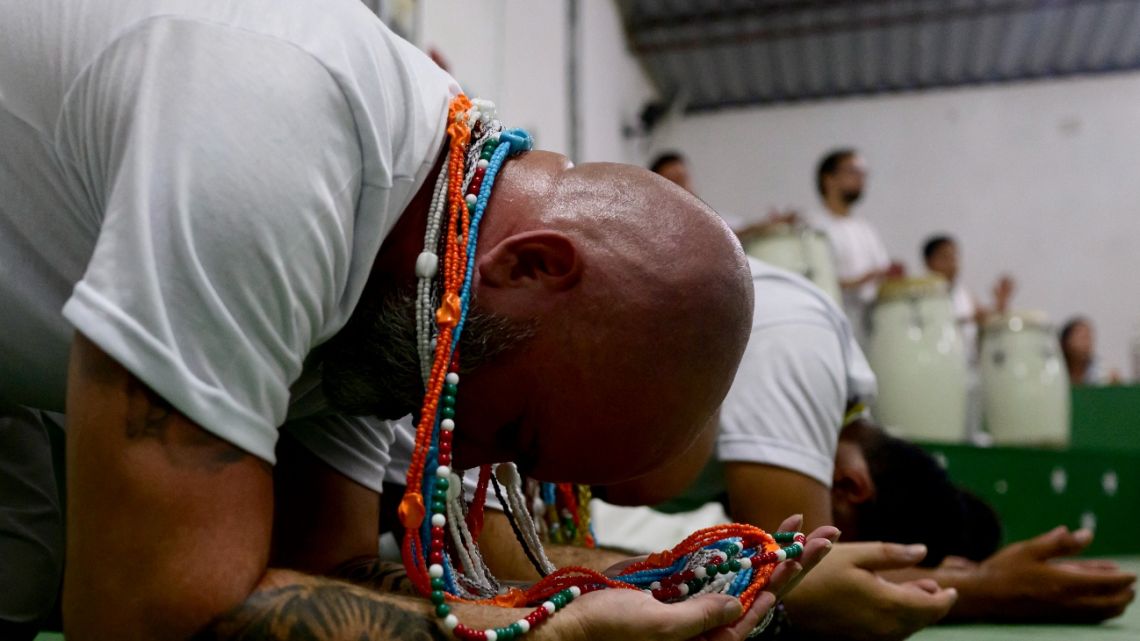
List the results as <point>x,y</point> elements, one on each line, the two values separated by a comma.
<point>965,311</point>
<point>206,186</point>
<point>858,250</point>
<point>800,370</point>
<point>403,442</point>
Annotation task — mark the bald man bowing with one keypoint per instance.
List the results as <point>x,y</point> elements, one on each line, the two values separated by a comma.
<point>209,230</point>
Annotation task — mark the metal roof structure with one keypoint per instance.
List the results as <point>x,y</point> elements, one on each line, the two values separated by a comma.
<point>720,53</point>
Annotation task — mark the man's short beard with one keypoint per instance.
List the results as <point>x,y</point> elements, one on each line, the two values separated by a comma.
<point>851,197</point>
<point>371,367</point>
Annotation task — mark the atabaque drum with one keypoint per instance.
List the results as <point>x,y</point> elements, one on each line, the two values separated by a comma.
<point>917,354</point>
<point>800,249</point>
<point>1025,386</point>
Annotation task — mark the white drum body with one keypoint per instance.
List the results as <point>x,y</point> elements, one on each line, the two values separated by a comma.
<point>802,250</point>
<point>1025,386</point>
<point>917,354</point>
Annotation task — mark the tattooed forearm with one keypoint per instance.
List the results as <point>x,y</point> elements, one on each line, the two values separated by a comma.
<point>322,610</point>
<point>378,575</point>
<point>149,416</point>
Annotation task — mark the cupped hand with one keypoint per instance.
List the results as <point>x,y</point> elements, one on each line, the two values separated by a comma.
<point>818,545</point>
<point>619,615</point>
<point>1031,581</point>
<point>630,614</point>
<point>846,599</point>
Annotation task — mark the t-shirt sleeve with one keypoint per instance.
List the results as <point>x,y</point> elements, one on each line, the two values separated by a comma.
<point>226,167</point>
<point>403,444</point>
<point>356,446</point>
<point>785,407</point>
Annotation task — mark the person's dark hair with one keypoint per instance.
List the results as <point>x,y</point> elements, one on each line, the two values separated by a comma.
<point>665,158</point>
<point>934,243</point>
<point>915,502</point>
<point>1068,328</point>
<point>830,164</point>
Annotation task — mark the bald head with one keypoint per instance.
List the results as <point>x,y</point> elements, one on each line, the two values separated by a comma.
<point>641,302</point>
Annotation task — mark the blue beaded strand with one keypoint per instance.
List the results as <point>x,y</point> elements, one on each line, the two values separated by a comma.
<point>511,142</point>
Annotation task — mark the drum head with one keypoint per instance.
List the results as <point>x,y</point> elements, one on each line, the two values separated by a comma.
<point>1019,321</point>
<point>911,288</point>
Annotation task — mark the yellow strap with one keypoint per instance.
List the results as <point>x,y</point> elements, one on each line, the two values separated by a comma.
<point>854,413</point>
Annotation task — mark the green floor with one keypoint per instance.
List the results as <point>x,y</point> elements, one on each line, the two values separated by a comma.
<point>1125,627</point>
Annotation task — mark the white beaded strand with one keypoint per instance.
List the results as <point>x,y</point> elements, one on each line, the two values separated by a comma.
<point>509,476</point>
<point>517,503</point>
<point>427,267</point>
<point>475,568</point>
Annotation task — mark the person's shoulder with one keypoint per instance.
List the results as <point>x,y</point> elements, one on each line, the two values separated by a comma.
<point>862,223</point>
<point>342,35</point>
<point>396,95</point>
<point>818,218</point>
<point>297,21</point>
<point>783,296</point>
<point>960,292</point>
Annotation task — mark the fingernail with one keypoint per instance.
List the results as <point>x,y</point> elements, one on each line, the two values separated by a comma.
<point>916,550</point>
<point>732,609</point>
<point>1083,535</point>
<point>953,592</point>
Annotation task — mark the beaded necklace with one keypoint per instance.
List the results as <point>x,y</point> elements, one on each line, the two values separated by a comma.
<point>565,510</point>
<point>439,549</point>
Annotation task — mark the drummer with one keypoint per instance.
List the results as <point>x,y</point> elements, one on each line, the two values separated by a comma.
<point>1077,345</point>
<point>942,255</point>
<point>673,166</point>
<point>860,256</point>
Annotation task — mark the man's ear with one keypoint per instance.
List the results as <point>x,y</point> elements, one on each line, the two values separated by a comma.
<point>851,482</point>
<point>543,259</point>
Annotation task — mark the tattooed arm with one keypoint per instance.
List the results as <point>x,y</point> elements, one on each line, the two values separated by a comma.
<point>293,606</point>
<point>381,576</point>
<point>169,527</point>
<point>169,537</point>
<point>305,607</point>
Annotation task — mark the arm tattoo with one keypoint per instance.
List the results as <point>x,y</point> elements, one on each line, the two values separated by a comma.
<point>149,416</point>
<point>378,575</point>
<point>320,610</point>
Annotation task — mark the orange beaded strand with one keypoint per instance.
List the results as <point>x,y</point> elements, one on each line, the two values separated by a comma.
<point>412,510</point>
